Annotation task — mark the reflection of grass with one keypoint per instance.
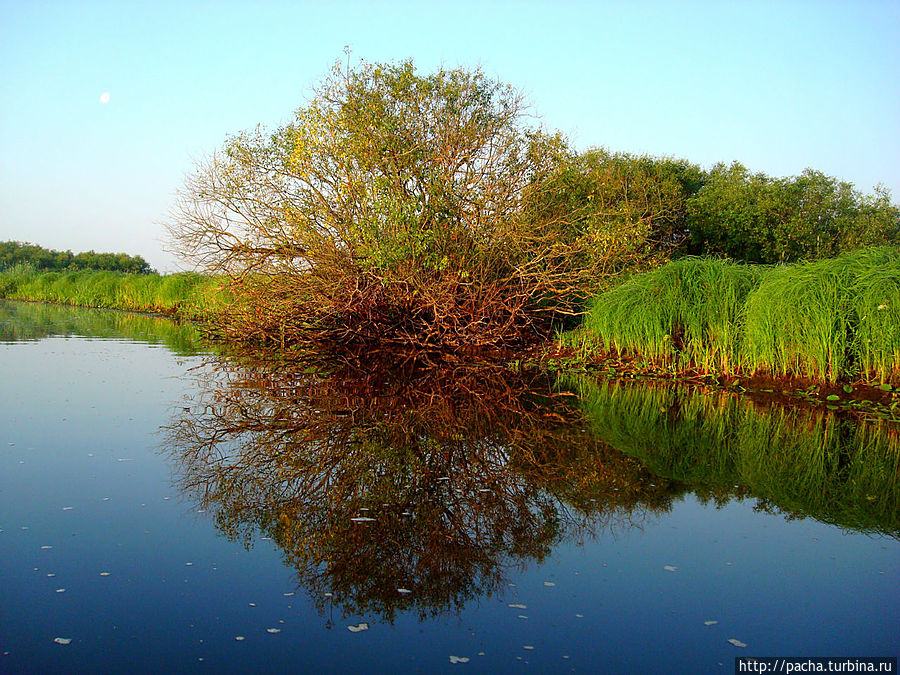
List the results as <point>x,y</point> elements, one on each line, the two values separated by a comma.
<point>33,321</point>
<point>828,320</point>
<point>836,470</point>
<point>188,295</point>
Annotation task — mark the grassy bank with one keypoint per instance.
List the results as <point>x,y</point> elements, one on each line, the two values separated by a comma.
<point>829,320</point>
<point>186,295</point>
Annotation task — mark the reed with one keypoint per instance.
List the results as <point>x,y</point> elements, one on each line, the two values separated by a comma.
<point>188,295</point>
<point>829,320</point>
<point>689,311</point>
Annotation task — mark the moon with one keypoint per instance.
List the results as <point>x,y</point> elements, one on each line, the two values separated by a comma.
<point>104,97</point>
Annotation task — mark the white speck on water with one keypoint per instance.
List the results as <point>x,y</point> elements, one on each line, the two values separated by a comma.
<point>565,656</point>
<point>549,584</point>
<point>710,623</point>
<point>358,627</point>
<point>68,508</point>
<point>51,574</point>
<point>188,564</point>
<point>528,647</point>
<point>579,616</point>
<point>329,594</point>
<point>253,604</point>
<point>480,653</point>
<point>62,641</point>
<point>670,568</point>
<point>239,638</point>
<point>106,499</point>
<point>287,595</point>
<point>46,548</point>
<point>104,574</point>
<point>517,606</point>
<point>737,643</point>
<point>459,659</point>
<point>125,459</point>
<point>273,630</point>
<point>60,590</point>
<point>522,616</point>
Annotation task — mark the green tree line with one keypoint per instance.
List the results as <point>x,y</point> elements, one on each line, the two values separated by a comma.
<point>14,253</point>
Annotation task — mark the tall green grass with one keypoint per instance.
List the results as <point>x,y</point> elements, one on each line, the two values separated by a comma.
<point>688,311</point>
<point>827,320</point>
<point>188,295</point>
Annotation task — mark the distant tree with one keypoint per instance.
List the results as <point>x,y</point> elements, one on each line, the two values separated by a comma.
<point>757,218</point>
<point>40,258</point>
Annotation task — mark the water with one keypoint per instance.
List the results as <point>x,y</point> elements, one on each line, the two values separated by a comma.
<point>166,509</point>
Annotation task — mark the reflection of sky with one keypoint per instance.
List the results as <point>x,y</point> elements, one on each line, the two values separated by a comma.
<point>72,408</point>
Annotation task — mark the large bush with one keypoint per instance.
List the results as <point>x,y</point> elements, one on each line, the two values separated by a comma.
<point>401,208</point>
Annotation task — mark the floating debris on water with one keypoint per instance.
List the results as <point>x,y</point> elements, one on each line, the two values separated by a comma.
<point>528,647</point>
<point>46,548</point>
<point>273,630</point>
<point>522,616</point>
<point>737,643</point>
<point>67,508</point>
<point>104,574</point>
<point>670,568</point>
<point>60,590</point>
<point>357,628</point>
<point>188,564</point>
<point>517,606</point>
<point>62,641</point>
<point>579,616</point>
<point>549,584</point>
<point>710,623</point>
<point>287,595</point>
<point>239,638</point>
<point>459,659</point>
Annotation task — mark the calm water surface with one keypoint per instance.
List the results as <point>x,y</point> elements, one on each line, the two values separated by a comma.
<point>163,509</point>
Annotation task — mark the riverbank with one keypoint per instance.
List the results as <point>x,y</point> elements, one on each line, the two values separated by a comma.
<point>834,321</point>
<point>185,295</point>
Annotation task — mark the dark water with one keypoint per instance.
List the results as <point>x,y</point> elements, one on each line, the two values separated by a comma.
<point>168,510</point>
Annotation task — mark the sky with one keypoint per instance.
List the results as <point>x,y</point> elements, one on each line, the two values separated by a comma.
<point>105,107</point>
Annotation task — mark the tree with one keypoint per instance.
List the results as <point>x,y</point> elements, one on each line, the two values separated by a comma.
<point>395,207</point>
<point>757,218</point>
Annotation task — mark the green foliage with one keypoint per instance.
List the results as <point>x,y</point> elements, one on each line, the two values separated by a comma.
<point>830,319</point>
<point>14,253</point>
<point>687,311</point>
<point>188,295</point>
<point>757,218</point>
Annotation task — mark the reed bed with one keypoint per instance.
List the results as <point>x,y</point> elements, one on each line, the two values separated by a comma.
<point>829,320</point>
<point>187,295</point>
<point>688,311</point>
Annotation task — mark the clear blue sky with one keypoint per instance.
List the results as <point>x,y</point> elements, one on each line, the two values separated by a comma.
<point>779,86</point>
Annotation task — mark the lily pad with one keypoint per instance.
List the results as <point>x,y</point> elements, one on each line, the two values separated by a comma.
<point>832,397</point>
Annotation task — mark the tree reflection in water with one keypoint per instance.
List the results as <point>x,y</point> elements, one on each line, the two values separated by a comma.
<point>403,485</point>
